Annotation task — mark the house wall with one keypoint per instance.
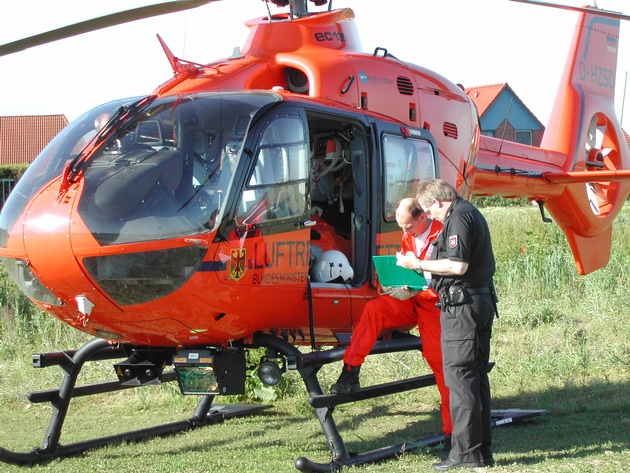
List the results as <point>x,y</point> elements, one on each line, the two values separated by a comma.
<point>507,107</point>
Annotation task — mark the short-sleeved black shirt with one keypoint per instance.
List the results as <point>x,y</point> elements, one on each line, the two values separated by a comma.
<point>465,238</point>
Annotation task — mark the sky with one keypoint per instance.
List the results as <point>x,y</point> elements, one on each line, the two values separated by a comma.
<point>472,42</point>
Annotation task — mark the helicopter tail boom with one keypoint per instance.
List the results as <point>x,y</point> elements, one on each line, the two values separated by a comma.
<point>582,169</point>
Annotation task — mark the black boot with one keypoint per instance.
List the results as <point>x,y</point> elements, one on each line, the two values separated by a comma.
<point>446,447</point>
<point>486,455</point>
<point>348,380</point>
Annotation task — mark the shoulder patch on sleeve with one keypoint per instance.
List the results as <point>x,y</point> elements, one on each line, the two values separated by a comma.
<point>452,241</point>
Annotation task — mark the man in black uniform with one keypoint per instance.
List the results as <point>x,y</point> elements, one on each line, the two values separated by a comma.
<point>462,265</point>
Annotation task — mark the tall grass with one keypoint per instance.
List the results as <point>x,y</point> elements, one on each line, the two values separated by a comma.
<point>542,297</point>
<point>561,343</point>
<point>558,329</point>
<point>24,326</point>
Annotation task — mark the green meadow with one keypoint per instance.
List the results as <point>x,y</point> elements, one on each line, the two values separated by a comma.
<point>562,344</point>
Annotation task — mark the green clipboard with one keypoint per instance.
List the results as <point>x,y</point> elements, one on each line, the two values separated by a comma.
<point>392,275</point>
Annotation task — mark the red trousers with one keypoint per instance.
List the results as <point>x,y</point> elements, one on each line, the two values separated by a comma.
<point>386,312</point>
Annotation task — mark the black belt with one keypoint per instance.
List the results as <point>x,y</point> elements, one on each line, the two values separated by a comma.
<point>478,291</point>
<point>483,291</point>
<point>456,295</point>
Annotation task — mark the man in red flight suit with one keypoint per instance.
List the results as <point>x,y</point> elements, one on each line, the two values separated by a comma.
<point>402,307</point>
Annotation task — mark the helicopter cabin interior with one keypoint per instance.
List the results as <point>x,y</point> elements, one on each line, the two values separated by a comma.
<point>357,174</point>
<point>358,178</point>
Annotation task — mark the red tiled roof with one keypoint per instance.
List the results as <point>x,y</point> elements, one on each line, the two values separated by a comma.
<point>23,137</point>
<point>485,95</point>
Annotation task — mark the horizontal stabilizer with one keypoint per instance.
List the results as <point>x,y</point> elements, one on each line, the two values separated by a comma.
<point>587,176</point>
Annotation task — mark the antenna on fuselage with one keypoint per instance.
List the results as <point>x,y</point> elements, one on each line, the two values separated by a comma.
<point>507,121</point>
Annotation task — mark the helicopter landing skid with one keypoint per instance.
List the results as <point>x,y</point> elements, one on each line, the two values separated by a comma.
<point>310,363</point>
<point>499,418</point>
<point>72,362</point>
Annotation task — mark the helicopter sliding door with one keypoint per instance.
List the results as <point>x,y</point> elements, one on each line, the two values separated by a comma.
<point>407,157</point>
<point>300,219</point>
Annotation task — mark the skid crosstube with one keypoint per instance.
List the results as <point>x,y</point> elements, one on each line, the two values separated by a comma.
<point>72,362</point>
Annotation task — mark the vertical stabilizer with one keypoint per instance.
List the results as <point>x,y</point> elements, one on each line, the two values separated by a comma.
<point>584,127</point>
<point>587,86</point>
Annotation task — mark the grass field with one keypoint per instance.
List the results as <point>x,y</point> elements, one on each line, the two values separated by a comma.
<point>562,344</point>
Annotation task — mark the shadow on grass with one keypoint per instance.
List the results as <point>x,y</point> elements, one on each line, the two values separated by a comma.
<point>581,422</point>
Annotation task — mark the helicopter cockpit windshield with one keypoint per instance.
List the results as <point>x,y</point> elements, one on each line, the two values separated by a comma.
<point>167,171</point>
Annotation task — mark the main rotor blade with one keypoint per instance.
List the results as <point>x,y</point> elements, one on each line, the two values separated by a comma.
<point>595,10</point>
<point>100,23</point>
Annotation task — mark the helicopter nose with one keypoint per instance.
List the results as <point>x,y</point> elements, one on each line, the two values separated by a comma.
<point>37,243</point>
<point>47,244</point>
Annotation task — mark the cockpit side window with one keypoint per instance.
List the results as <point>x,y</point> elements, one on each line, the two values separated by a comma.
<point>276,189</point>
<point>407,161</point>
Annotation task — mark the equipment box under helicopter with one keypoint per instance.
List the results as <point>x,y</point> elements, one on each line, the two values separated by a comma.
<point>210,372</point>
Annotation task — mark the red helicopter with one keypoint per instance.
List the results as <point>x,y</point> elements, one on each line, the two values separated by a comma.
<point>188,227</point>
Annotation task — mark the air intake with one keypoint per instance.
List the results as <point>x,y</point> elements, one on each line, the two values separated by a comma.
<point>297,81</point>
<point>405,86</point>
<point>450,130</point>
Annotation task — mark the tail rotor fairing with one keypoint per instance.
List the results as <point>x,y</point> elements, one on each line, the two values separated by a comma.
<point>601,154</point>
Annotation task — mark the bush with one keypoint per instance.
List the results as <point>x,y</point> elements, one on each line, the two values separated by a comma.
<point>498,201</point>
<point>13,171</point>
